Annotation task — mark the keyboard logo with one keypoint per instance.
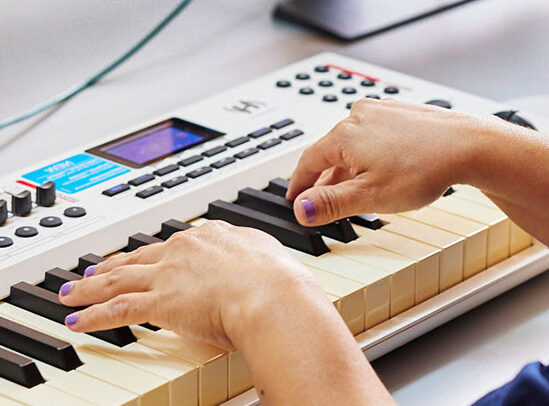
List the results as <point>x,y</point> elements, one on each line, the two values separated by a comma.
<point>247,106</point>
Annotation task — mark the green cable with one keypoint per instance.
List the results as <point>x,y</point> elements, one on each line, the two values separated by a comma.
<point>67,94</point>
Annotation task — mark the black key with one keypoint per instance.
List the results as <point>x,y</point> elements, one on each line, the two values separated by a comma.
<point>325,83</point>
<point>166,169</point>
<point>282,123</point>
<point>51,221</point>
<point>367,83</point>
<point>449,191</point>
<point>21,203</point>
<point>260,133</point>
<point>74,212</point>
<point>56,277</point>
<point>302,76</point>
<point>174,182</point>
<point>150,326</point>
<point>116,190</point>
<point>391,90</point>
<point>190,160</point>
<point>3,211</point>
<point>348,90</point>
<point>5,242</point>
<point>291,134</point>
<point>26,232</point>
<point>140,240</point>
<point>373,96</point>
<point>199,172</point>
<point>371,221</point>
<point>141,179</point>
<point>150,191</point>
<point>283,83</point>
<point>223,162</point>
<point>18,369</point>
<point>278,206</point>
<point>87,261</point>
<point>269,144</point>
<point>45,194</point>
<point>246,153</point>
<point>306,91</point>
<point>322,69</point>
<point>46,304</point>
<point>237,141</point>
<point>440,103</point>
<point>344,76</point>
<point>330,98</point>
<point>38,345</point>
<point>172,226</point>
<point>278,186</point>
<point>215,151</point>
<point>290,234</point>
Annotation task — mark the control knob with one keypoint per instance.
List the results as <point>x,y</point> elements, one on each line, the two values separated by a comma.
<point>45,194</point>
<point>21,203</point>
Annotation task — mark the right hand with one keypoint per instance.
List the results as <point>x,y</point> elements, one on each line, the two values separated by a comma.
<point>387,156</point>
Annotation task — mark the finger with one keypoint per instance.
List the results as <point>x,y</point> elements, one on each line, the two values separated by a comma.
<point>333,176</point>
<point>142,255</point>
<point>130,308</point>
<point>324,204</point>
<point>103,287</point>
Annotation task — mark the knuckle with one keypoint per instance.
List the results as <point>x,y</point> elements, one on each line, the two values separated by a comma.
<point>330,204</point>
<point>113,278</point>
<point>119,308</point>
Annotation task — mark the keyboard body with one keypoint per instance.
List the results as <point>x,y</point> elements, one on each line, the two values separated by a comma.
<point>83,177</point>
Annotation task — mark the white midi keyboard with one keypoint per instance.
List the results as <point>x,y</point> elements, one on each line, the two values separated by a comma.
<point>391,277</point>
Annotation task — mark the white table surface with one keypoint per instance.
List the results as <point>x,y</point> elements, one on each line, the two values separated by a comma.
<point>493,48</point>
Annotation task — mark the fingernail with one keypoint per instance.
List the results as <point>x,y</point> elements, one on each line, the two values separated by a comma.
<point>65,288</point>
<point>309,208</point>
<point>90,270</point>
<point>71,319</point>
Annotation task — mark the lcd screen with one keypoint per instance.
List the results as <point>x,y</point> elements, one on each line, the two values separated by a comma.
<point>155,142</point>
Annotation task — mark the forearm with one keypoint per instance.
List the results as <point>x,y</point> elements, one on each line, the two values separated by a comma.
<point>300,352</point>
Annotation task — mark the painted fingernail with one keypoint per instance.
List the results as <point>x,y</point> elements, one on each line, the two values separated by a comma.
<point>66,288</point>
<point>309,208</point>
<point>90,270</point>
<point>71,319</point>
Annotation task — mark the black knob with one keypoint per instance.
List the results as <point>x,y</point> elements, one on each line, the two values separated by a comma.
<point>45,194</point>
<point>21,203</point>
<point>3,211</point>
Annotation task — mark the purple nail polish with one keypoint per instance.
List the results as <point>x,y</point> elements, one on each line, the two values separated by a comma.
<point>71,319</point>
<point>309,208</point>
<point>90,270</point>
<point>65,288</point>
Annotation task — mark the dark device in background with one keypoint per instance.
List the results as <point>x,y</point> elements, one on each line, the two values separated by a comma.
<point>353,19</point>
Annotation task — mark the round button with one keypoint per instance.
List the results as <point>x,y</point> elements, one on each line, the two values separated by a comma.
<point>321,69</point>
<point>325,83</point>
<point>75,212</point>
<point>302,76</point>
<point>367,83</point>
<point>330,98</point>
<point>5,242</point>
<point>391,90</point>
<point>440,103</point>
<point>373,96</point>
<point>344,76</point>
<point>349,105</point>
<point>51,221</point>
<point>283,83</point>
<point>348,90</point>
<point>306,90</point>
<point>26,232</point>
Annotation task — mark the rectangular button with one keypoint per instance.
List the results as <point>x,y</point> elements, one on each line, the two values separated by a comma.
<point>260,133</point>
<point>246,153</point>
<point>167,169</point>
<point>238,141</point>
<point>269,144</point>
<point>151,191</point>
<point>199,172</point>
<point>139,240</point>
<point>141,179</point>
<point>172,226</point>
<point>190,160</point>
<point>115,190</point>
<point>291,134</point>
<point>223,162</point>
<point>175,181</point>
<point>290,234</point>
<point>56,277</point>
<point>86,261</point>
<point>283,123</point>
<point>215,151</point>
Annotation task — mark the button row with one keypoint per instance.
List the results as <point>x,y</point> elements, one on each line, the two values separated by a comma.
<point>21,203</point>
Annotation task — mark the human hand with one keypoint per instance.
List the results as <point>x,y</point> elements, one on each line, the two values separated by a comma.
<point>199,283</point>
<point>387,156</point>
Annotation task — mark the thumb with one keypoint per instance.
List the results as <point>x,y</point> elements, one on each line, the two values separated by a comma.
<point>324,204</point>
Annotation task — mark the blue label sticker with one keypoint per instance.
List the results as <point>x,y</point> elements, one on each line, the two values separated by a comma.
<point>77,173</point>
